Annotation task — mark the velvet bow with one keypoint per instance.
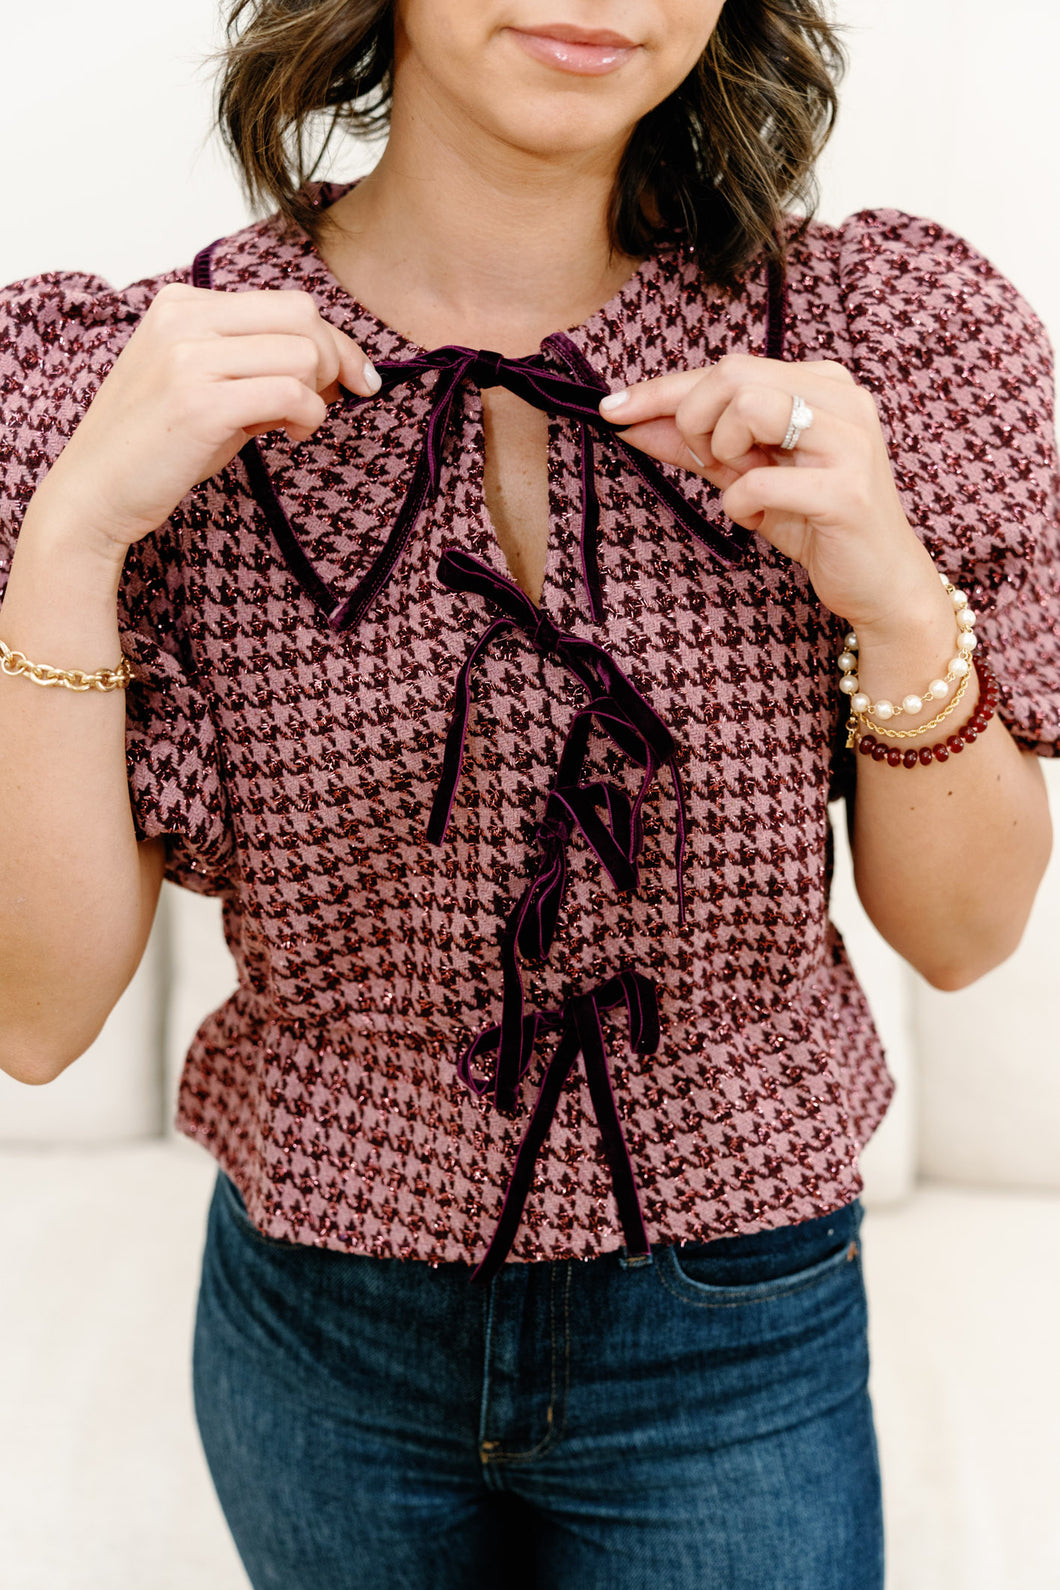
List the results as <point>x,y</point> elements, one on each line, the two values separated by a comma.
<point>608,819</point>
<point>576,395</point>
<point>579,1033</point>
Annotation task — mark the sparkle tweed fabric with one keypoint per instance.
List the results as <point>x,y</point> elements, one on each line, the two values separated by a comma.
<point>292,768</point>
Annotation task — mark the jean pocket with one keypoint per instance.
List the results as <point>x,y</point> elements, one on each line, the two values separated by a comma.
<point>784,1262</point>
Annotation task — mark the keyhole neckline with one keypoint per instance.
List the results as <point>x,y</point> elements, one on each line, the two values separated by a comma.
<point>491,529</point>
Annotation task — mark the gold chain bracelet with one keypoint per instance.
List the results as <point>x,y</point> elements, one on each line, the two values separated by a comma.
<point>14,663</point>
<point>866,726</point>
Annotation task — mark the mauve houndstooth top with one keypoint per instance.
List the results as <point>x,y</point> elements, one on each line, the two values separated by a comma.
<point>292,765</point>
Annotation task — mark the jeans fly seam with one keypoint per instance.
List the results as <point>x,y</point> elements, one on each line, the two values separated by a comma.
<point>566,1350</point>
<point>487,1349</point>
<point>556,1426</point>
<point>552,1348</point>
<point>548,1440</point>
<point>558,1418</point>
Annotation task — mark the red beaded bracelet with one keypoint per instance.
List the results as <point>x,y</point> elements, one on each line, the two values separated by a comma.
<point>868,744</point>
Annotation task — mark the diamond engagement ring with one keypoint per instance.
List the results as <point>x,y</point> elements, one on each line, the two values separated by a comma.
<point>801,419</point>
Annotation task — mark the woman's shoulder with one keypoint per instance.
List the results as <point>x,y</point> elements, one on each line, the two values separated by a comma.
<point>47,318</point>
<point>60,333</point>
<point>912,278</point>
<point>886,234</point>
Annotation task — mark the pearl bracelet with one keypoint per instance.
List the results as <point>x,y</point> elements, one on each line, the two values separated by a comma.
<point>957,668</point>
<point>967,734</point>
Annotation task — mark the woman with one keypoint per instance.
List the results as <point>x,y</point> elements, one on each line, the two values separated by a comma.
<point>504,715</point>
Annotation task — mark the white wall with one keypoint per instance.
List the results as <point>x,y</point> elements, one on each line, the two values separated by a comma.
<point>950,110</point>
<point>105,149</point>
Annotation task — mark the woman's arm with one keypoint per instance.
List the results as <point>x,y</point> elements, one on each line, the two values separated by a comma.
<point>201,373</point>
<point>77,895</point>
<point>947,859</point>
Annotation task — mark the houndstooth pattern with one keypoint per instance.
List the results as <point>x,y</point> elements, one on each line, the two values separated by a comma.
<point>292,769</point>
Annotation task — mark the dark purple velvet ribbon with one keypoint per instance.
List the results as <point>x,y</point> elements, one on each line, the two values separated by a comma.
<point>607,818</point>
<point>580,1033</point>
<point>577,396</point>
<point>615,702</point>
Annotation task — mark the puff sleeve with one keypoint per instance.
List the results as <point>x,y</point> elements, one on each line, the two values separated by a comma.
<point>962,372</point>
<point>60,333</point>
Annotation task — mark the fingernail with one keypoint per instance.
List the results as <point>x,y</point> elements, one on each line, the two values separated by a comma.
<point>372,379</point>
<point>696,456</point>
<point>614,400</point>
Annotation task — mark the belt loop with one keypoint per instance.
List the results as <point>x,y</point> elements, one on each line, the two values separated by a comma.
<point>634,1261</point>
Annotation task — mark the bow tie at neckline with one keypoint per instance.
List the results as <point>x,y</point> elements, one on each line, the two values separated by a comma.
<point>573,392</point>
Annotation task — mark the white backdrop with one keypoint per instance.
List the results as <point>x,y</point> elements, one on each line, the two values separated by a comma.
<point>950,110</point>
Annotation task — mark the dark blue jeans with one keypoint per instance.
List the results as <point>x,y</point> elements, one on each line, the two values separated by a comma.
<point>700,1419</point>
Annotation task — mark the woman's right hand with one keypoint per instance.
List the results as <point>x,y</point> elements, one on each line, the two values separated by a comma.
<point>203,372</point>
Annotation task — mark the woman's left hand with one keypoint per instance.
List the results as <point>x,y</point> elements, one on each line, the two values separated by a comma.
<point>830,502</point>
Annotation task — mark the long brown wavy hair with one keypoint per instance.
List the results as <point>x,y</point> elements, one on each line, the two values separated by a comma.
<point>720,162</point>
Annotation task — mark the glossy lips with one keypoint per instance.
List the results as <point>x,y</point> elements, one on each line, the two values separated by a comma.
<point>583,51</point>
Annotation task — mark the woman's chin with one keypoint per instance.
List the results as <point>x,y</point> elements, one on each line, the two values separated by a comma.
<point>562,128</point>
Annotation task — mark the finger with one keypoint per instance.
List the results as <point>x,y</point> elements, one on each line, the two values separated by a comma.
<point>316,362</point>
<point>831,369</point>
<point>268,354</point>
<point>662,440</point>
<point>759,417</point>
<point>805,493</point>
<point>267,403</point>
<point>754,413</point>
<point>647,400</point>
<point>357,373</point>
<point>182,311</point>
<point>701,395</point>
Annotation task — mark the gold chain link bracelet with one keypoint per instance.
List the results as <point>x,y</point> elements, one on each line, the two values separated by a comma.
<point>14,663</point>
